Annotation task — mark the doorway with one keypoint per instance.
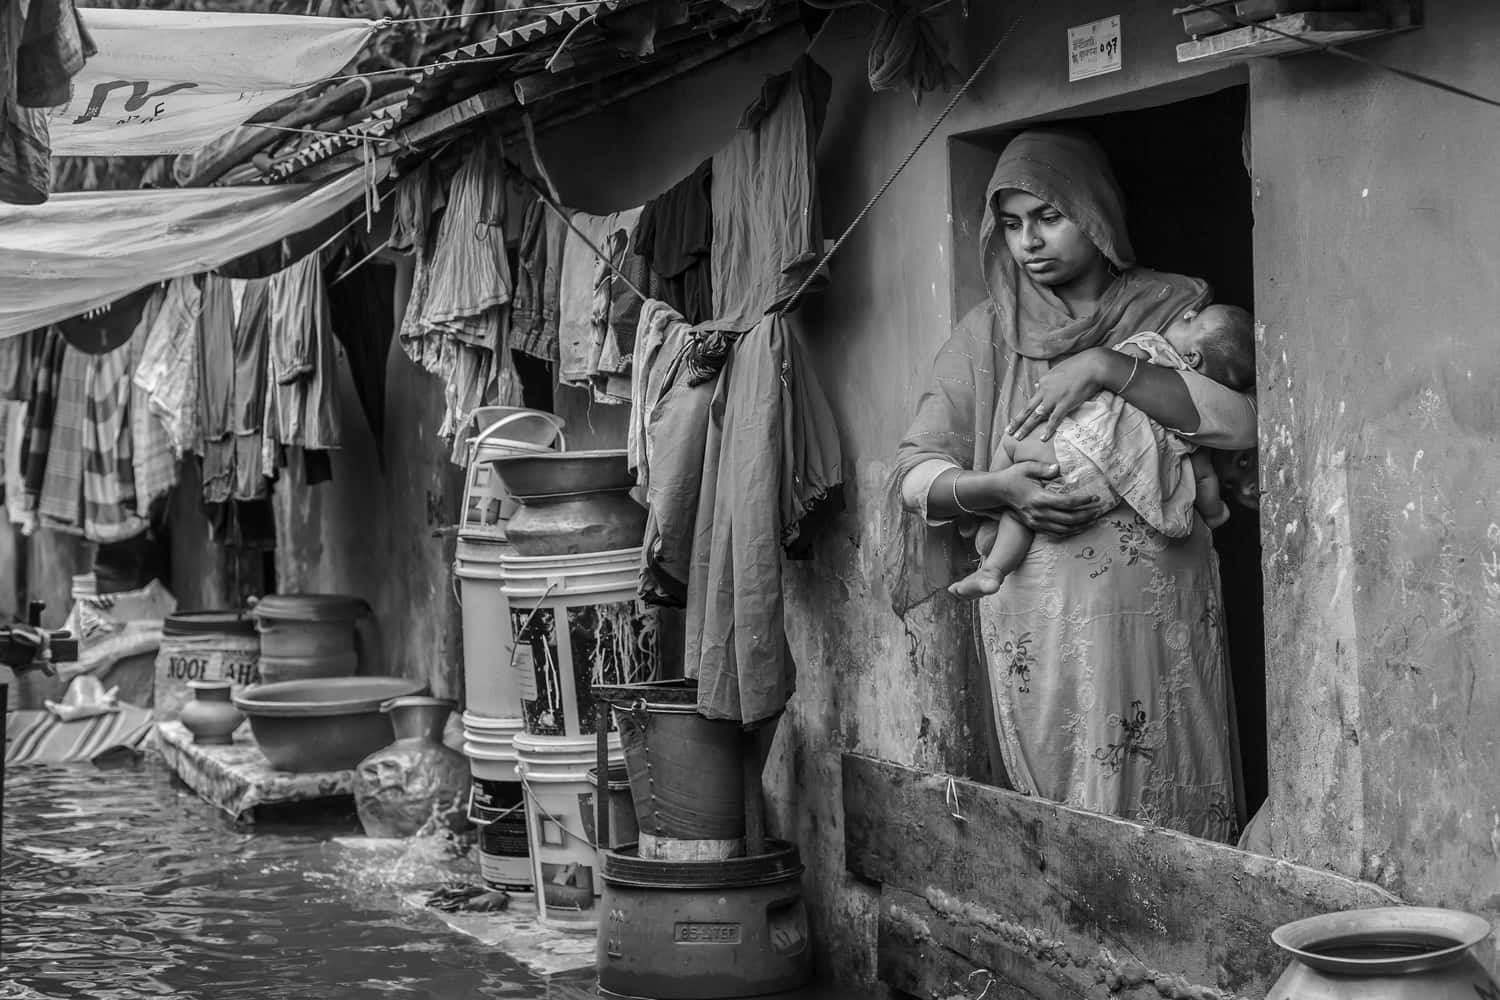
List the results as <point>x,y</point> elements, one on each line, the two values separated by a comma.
<point>1188,204</point>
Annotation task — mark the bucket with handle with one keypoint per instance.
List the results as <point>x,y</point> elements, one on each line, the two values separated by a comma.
<point>554,772</point>
<point>490,686</point>
<point>577,623</point>
<point>511,431</point>
<point>497,804</point>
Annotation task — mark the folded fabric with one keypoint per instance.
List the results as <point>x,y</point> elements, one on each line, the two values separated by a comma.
<point>84,699</point>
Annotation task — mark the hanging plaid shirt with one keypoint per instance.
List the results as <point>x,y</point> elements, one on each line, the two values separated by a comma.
<point>109,501</point>
<point>40,410</point>
<point>61,502</point>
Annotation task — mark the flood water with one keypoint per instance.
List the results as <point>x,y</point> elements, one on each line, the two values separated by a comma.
<point>117,884</point>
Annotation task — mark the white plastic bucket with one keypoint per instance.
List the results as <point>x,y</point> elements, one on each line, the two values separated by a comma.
<point>511,430</point>
<point>490,685</point>
<point>576,622</point>
<point>560,825</point>
<point>497,803</point>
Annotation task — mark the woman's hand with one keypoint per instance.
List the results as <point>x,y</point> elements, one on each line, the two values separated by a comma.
<point>1020,489</point>
<point>1058,393</point>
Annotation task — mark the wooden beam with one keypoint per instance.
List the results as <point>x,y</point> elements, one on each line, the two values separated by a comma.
<point>1066,881</point>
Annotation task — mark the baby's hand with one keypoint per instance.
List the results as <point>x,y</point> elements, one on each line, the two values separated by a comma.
<point>984,538</point>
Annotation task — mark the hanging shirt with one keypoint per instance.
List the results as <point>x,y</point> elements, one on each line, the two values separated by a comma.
<point>767,235</point>
<point>675,236</point>
<point>301,403</point>
<point>168,368</point>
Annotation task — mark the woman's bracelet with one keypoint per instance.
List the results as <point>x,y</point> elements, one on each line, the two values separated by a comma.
<point>1133,369</point>
<point>959,503</point>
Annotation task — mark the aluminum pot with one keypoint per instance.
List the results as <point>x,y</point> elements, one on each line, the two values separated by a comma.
<point>1383,953</point>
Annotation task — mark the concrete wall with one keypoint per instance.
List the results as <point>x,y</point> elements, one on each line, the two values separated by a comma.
<point>1377,238</point>
<point>370,532</point>
<point>868,682</point>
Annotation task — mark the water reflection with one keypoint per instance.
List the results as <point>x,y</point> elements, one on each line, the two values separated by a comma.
<point>120,885</point>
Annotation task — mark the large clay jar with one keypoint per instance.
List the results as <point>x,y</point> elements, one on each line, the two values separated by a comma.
<point>1383,953</point>
<point>211,717</point>
<point>417,781</point>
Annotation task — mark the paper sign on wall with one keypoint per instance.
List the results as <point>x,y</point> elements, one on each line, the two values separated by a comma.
<point>1094,49</point>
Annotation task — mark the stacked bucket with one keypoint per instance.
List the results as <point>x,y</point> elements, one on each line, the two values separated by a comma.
<point>548,609</point>
<point>493,694</point>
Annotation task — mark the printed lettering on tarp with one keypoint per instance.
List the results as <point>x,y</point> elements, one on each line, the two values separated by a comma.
<point>172,81</point>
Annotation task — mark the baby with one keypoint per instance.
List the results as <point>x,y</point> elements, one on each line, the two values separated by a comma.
<point>1113,450</point>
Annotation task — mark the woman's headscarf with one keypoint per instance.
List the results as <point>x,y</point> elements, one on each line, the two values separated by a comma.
<point>984,373</point>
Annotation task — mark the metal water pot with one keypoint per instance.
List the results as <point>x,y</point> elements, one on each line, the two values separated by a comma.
<point>1384,953</point>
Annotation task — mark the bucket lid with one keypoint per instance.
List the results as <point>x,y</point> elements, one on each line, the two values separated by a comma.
<point>310,607</point>
<point>214,622</point>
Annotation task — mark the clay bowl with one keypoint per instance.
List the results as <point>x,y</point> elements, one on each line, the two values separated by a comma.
<point>563,473</point>
<point>322,724</point>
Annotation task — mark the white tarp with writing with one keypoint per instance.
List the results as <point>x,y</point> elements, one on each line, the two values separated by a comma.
<point>82,250</point>
<point>172,81</point>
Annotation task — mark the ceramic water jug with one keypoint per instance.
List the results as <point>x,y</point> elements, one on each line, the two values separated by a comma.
<point>211,717</point>
<point>416,781</point>
<point>1384,953</point>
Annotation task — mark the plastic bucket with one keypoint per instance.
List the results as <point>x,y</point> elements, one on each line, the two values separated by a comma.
<point>497,804</point>
<point>202,646</point>
<point>560,822</point>
<point>506,430</point>
<point>577,623</point>
<point>490,685</point>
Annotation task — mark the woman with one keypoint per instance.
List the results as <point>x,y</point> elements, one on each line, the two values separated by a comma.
<point>1105,649</point>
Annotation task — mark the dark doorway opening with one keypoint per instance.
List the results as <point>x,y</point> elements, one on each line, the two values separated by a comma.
<point>1188,202</point>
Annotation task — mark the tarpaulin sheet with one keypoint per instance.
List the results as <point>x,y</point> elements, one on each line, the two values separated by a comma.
<point>172,81</point>
<point>86,249</point>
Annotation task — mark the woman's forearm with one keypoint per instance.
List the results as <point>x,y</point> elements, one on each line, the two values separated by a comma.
<point>1155,391</point>
<point>969,488</point>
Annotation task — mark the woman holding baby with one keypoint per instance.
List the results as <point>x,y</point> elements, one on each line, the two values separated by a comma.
<point>1104,640</point>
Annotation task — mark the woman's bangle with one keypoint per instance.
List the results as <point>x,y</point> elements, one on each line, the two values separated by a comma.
<point>959,503</point>
<point>1133,369</point>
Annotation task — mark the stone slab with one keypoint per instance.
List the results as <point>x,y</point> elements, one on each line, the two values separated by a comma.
<point>237,779</point>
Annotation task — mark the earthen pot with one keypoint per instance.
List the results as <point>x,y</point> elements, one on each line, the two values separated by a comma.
<point>211,717</point>
<point>1383,953</point>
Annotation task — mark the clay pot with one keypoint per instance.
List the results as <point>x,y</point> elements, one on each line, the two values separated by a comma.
<point>415,780</point>
<point>1383,953</point>
<point>210,716</point>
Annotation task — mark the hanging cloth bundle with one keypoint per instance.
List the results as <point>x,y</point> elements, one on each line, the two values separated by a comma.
<point>909,50</point>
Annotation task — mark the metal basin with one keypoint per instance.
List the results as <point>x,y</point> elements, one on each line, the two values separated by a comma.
<point>533,477</point>
<point>323,724</point>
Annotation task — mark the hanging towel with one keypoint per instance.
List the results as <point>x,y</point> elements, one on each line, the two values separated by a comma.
<point>471,279</point>
<point>61,502</point>
<point>41,411</point>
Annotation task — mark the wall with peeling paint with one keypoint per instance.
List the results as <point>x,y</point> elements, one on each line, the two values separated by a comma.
<point>868,682</point>
<point>1377,240</point>
<point>371,530</point>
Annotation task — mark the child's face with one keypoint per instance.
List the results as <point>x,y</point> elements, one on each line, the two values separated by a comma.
<point>1189,332</point>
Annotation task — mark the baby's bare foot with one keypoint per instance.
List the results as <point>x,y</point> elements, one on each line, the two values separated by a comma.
<point>980,583</point>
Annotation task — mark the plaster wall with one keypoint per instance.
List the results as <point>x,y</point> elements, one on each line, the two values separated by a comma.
<point>868,682</point>
<point>1377,239</point>
<point>371,531</point>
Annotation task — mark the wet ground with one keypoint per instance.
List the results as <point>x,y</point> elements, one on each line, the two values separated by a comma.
<point>123,884</point>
